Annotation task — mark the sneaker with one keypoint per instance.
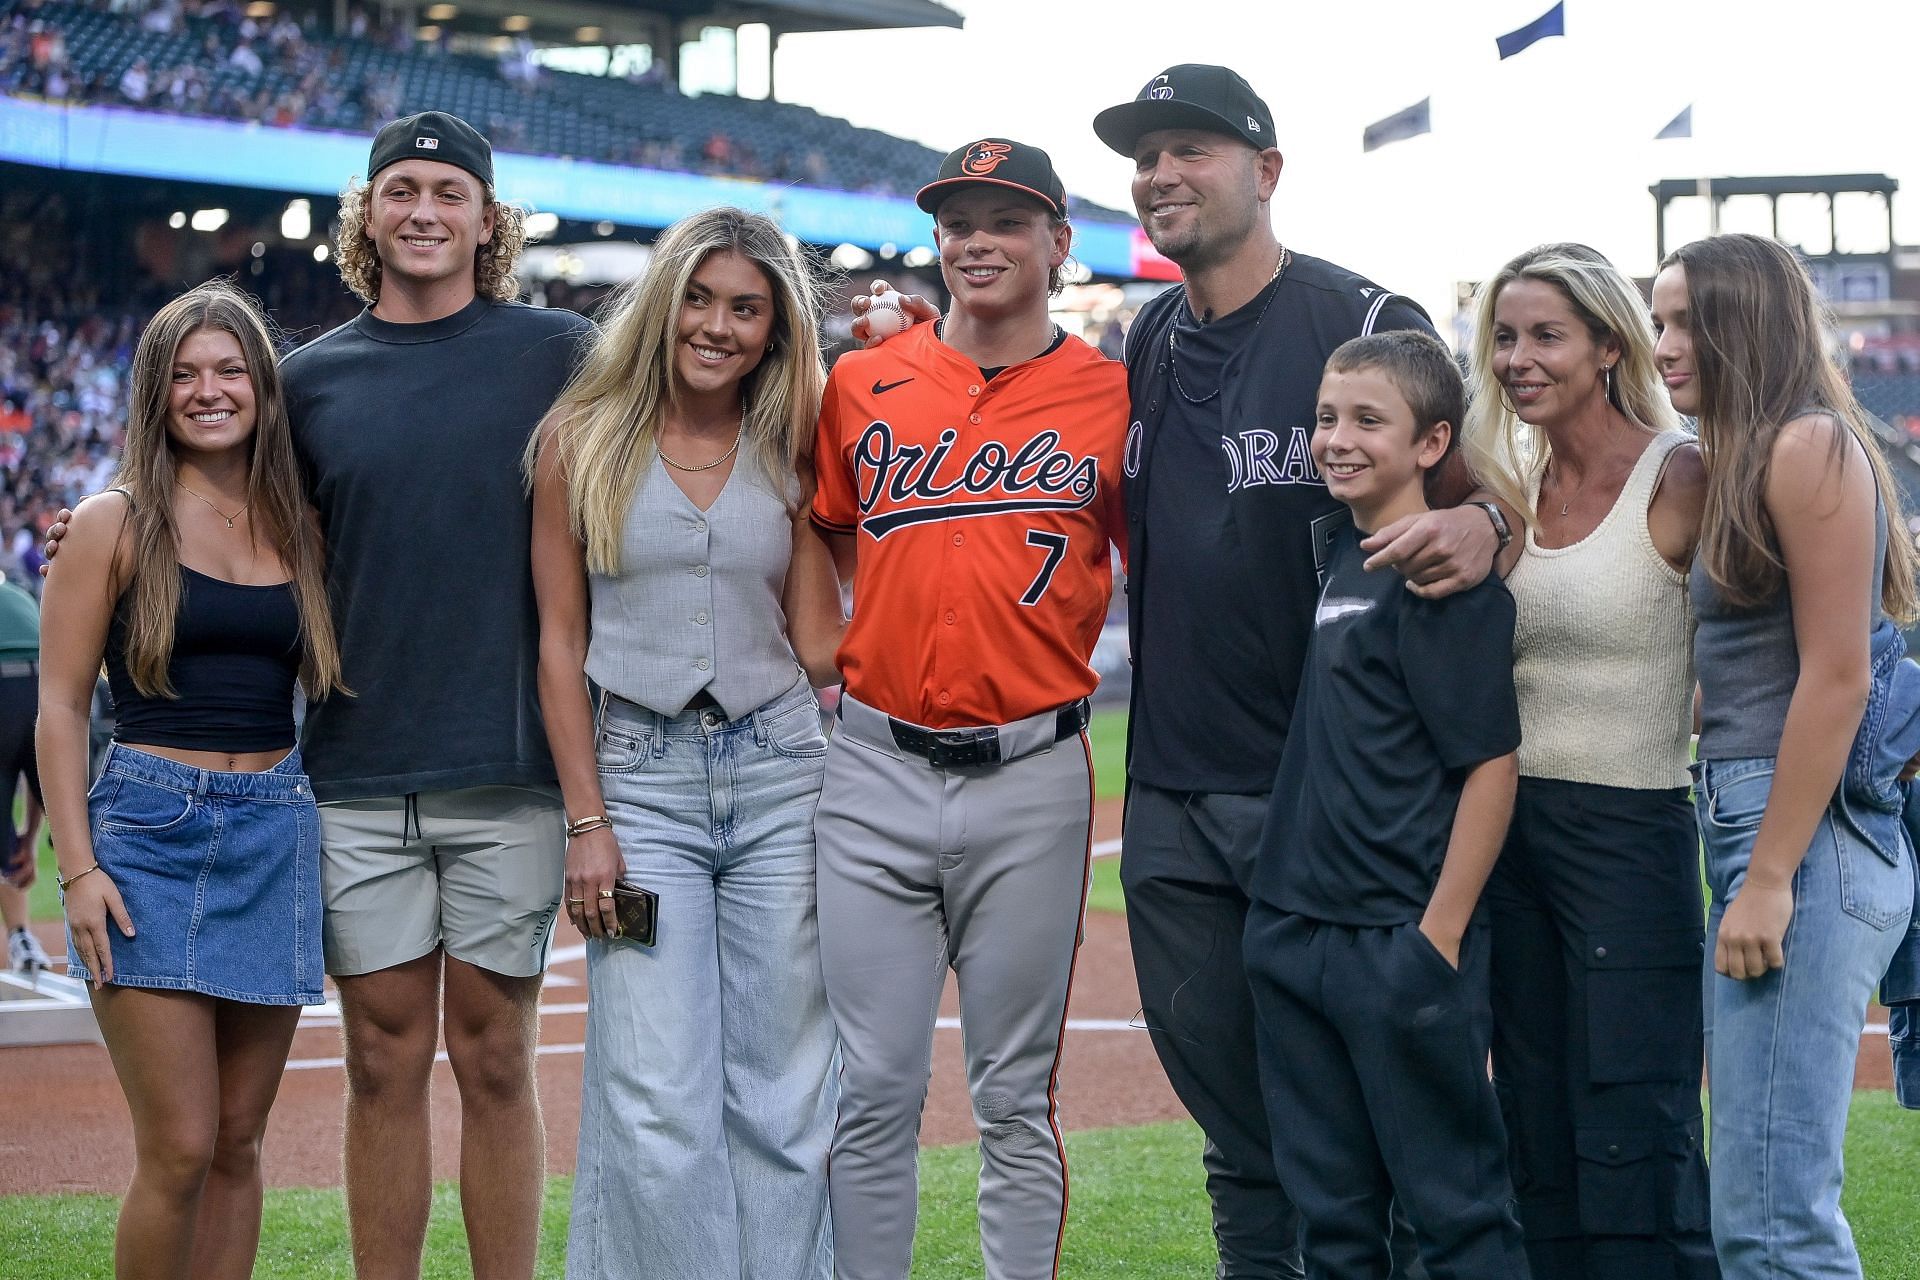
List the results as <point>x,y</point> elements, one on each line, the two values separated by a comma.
<point>25,953</point>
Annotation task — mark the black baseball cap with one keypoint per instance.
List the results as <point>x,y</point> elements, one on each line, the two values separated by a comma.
<point>1193,95</point>
<point>997,162</point>
<point>433,135</point>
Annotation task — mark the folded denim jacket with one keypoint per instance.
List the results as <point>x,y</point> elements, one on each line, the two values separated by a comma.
<point>1870,794</point>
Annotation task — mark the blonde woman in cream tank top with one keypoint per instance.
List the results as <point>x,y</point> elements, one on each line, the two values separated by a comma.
<point>1595,902</point>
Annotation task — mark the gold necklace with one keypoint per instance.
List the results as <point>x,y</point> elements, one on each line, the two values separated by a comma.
<point>217,511</point>
<point>705,466</point>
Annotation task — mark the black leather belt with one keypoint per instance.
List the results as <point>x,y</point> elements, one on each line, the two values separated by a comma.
<point>968,748</point>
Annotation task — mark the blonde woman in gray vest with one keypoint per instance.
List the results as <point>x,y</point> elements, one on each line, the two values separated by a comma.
<point>1595,902</point>
<point>676,569</point>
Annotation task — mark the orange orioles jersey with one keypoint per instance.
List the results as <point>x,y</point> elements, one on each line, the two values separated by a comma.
<point>982,511</point>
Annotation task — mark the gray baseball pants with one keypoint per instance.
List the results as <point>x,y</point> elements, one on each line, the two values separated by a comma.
<point>983,869</point>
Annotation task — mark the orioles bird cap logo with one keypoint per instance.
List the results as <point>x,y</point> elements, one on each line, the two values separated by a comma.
<point>984,157</point>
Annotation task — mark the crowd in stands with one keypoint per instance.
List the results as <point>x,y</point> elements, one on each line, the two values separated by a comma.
<point>66,349</point>
<point>208,58</point>
<point>64,356</point>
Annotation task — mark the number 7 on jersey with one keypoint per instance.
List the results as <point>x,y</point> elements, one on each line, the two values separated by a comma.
<point>1056,545</point>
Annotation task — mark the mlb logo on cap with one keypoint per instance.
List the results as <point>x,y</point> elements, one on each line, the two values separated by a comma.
<point>433,135</point>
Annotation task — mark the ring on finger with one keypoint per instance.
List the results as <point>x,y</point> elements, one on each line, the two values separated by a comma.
<point>606,894</point>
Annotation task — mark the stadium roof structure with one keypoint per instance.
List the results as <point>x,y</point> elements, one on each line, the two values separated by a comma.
<point>618,22</point>
<point>1716,191</point>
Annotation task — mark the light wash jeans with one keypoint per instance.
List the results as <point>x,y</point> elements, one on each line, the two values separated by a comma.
<point>1781,1049</point>
<point>710,1080</point>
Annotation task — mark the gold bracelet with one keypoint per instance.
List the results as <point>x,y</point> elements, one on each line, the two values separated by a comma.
<point>592,822</point>
<point>64,881</point>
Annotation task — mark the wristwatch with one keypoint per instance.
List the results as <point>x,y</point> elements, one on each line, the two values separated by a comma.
<point>1500,529</point>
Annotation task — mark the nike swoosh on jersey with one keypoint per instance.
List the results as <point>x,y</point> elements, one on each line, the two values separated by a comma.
<point>881,388</point>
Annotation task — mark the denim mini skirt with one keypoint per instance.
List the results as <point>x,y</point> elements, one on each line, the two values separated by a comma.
<point>220,874</point>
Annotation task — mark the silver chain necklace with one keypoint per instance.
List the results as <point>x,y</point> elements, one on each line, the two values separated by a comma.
<point>1272,287</point>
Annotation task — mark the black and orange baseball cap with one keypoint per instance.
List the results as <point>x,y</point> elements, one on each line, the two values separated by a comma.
<point>997,162</point>
<point>1193,95</point>
<point>433,135</point>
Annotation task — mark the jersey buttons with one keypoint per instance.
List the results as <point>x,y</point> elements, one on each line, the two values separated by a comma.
<point>959,539</point>
<point>974,418</point>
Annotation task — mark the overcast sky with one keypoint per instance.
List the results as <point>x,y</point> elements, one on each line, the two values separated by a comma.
<point>1556,143</point>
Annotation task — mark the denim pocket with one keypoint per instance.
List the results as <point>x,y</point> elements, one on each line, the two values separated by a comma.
<point>1872,890</point>
<point>796,733</point>
<point>620,750</point>
<point>144,808</point>
<point>1739,803</point>
<point>1643,1004</point>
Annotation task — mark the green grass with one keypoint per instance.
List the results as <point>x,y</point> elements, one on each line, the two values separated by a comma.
<point>1109,736</point>
<point>1106,894</point>
<point>1108,733</point>
<point>1139,1210</point>
<point>43,899</point>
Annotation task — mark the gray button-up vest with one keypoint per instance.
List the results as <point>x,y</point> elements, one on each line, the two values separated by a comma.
<point>696,604</point>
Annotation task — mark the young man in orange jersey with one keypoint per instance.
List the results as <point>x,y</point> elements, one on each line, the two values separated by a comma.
<point>969,481</point>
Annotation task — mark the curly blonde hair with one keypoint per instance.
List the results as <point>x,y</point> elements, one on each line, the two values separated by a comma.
<point>493,262</point>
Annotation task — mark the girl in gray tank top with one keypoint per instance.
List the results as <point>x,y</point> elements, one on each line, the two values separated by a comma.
<point>676,570</point>
<point>1795,567</point>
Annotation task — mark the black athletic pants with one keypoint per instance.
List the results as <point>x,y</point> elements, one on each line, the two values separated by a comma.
<point>1374,1048</point>
<point>1598,942</point>
<point>1186,864</point>
<point>19,706</point>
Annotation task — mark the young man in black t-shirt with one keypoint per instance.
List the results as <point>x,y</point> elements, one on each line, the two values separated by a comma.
<point>1363,946</point>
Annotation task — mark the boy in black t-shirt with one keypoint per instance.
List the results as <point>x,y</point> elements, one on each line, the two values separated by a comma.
<point>1367,960</point>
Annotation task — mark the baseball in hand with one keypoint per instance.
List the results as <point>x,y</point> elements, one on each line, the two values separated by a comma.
<point>885,318</point>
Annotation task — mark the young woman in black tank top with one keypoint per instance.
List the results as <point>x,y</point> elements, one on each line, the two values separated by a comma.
<point>190,872</point>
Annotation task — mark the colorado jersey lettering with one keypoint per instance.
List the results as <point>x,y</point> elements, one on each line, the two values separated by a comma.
<point>983,511</point>
<point>1259,456</point>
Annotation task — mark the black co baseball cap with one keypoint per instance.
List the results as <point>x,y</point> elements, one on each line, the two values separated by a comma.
<point>1192,95</point>
<point>433,135</point>
<point>997,162</point>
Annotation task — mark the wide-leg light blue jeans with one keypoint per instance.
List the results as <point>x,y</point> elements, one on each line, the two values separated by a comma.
<point>710,1078</point>
<point>1781,1049</point>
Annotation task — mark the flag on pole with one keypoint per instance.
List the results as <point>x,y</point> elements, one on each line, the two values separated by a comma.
<point>1403,124</point>
<point>1551,23</point>
<point>1681,126</point>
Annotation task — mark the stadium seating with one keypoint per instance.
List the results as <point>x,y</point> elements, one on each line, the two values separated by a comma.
<point>326,82</point>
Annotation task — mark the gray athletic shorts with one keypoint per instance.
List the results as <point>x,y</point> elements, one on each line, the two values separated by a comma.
<point>479,870</point>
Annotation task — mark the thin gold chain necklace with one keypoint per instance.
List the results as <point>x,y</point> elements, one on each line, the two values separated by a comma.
<point>217,511</point>
<point>705,466</point>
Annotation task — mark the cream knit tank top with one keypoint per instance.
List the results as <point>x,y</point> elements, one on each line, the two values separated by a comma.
<point>1603,648</point>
